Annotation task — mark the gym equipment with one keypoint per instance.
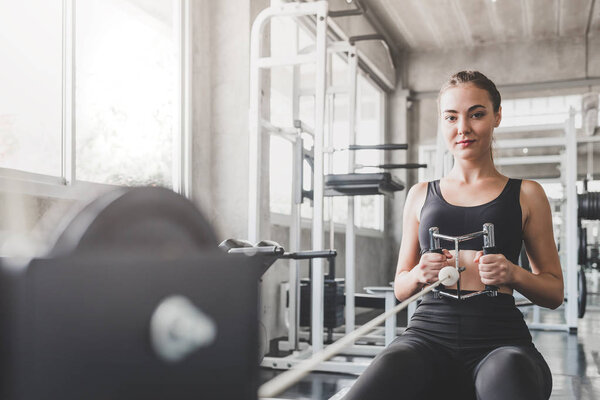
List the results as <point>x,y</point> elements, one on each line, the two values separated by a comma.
<point>588,205</point>
<point>268,250</point>
<point>130,304</point>
<point>447,276</point>
<point>151,218</point>
<point>489,247</point>
<point>361,184</point>
<point>582,292</point>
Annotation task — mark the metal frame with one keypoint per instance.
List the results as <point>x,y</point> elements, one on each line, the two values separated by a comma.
<point>568,162</point>
<point>316,11</point>
<point>319,10</point>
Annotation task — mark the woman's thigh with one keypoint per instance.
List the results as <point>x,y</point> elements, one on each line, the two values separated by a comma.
<point>409,368</point>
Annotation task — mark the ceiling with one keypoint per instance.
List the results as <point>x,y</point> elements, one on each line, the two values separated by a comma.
<point>416,25</point>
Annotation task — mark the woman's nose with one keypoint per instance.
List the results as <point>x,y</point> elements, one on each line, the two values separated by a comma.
<point>463,126</point>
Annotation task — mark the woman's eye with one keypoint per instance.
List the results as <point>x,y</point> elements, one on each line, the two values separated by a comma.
<point>478,114</point>
<point>450,118</point>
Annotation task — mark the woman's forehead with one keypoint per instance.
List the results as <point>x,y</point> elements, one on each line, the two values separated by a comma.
<point>464,96</point>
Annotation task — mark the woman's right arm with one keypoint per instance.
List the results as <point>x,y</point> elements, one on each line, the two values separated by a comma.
<point>413,272</point>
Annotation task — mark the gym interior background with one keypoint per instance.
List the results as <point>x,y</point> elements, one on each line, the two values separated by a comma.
<point>103,94</point>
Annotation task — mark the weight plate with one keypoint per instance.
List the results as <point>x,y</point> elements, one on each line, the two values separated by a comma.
<point>149,219</point>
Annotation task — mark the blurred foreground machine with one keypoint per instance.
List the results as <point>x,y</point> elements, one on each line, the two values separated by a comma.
<point>132,302</point>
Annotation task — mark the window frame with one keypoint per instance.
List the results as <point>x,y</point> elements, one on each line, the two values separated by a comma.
<point>67,185</point>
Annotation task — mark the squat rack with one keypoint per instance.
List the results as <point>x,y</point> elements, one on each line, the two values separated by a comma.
<point>319,12</point>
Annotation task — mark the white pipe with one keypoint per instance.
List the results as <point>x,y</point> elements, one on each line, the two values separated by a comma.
<point>317,226</point>
<point>350,224</point>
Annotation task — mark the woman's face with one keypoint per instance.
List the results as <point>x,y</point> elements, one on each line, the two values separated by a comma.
<point>468,121</point>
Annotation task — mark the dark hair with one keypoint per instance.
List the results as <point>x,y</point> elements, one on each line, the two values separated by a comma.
<point>479,80</point>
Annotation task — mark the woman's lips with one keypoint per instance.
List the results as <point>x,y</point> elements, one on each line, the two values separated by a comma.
<point>465,143</point>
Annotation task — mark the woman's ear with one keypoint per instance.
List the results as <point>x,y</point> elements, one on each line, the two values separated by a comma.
<point>498,117</point>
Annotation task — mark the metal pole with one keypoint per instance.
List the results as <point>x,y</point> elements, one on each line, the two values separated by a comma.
<point>350,225</point>
<point>68,94</point>
<point>317,223</point>
<point>571,222</point>
<point>296,223</point>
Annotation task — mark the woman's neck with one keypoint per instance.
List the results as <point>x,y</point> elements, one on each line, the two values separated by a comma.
<point>470,171</point>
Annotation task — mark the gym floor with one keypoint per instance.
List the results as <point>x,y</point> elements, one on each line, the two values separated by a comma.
<point>573,359</point>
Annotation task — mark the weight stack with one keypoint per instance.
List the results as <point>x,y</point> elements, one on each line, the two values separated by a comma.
<point>589,205</point>
<point>334,301</point>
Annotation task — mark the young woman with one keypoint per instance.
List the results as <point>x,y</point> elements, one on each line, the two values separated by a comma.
<point>478,347</point>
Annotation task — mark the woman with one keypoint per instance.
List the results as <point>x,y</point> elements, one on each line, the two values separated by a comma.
<point>478,347</point>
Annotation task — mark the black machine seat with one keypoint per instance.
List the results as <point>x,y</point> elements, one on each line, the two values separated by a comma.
<point>362,184</point>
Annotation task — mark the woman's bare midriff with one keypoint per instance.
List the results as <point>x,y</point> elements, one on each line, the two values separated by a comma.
<point>469,278</point>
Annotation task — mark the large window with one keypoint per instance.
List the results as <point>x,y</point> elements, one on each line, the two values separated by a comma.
<point>31,89</point>
<point>288,39</point>
<point>540,110</point>
<point>104,75</point>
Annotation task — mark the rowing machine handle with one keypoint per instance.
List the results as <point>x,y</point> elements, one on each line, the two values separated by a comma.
<point>493,290</point>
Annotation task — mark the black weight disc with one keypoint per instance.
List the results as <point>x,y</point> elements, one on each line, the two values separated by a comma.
<point>581,292</point>
<point>582,251</point>
<point>149,219</point>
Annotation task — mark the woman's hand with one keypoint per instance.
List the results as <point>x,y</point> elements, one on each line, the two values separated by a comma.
<point>429,266</point>
<point>494,269</point>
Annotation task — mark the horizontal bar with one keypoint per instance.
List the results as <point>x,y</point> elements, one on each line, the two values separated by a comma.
<point>530,128</point>
<point>553,159</point>
<point>310,254</point>
<point>270,62</point>
<point>288,133</point>
<point>31,176</point>
<point>588,139</point>
<point>345,13</point>
<point>363,38</point>
<point>531,142</point>
<point>390,146</point>
<point>459,238</point>
<point>393,166</point>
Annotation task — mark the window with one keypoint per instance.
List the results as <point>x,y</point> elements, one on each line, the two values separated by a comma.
<point>126,97</point>
<point>128,78</point>
<point>288,39</point>
<point>540,110</point>
<point>30,78</point>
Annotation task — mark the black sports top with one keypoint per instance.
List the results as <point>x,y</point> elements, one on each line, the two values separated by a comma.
<point>504,212</point>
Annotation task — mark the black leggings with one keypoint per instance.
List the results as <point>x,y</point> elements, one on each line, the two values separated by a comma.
<point>478,348</point>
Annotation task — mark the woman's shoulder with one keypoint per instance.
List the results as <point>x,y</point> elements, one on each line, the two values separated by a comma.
<point>532,189</point>
<point>417,190</point>
<point>533,196</point>
<point>416,196</point>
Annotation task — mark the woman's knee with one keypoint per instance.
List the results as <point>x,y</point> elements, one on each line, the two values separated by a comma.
<point>512,372</point>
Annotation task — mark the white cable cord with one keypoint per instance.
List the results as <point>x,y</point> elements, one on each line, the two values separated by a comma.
<point>448,276</point>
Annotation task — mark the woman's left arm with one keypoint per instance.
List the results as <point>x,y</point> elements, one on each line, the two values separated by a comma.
<point>544,284</point>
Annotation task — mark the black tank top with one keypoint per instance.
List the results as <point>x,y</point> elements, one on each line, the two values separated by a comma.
<point>504,212</point>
